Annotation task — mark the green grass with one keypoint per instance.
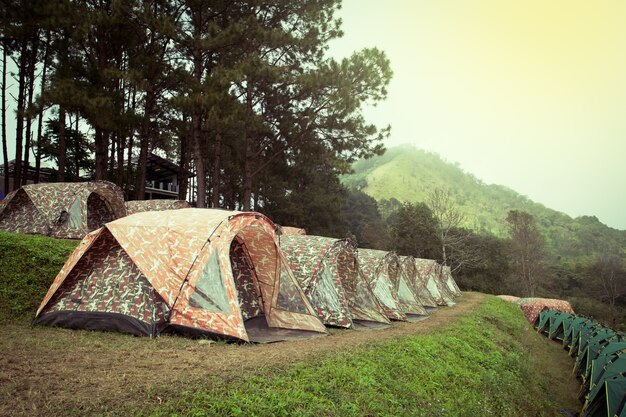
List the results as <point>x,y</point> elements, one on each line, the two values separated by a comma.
<point>28,265</point>
<point>490,363</point>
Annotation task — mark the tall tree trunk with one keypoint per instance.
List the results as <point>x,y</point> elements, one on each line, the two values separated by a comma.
<point>102,147</point>
<point>5,151</point>
<point>196,115</point>
<point>29,120</point>
<point>183,166</point>
<point>77,149</point>
<point>143,145</point>
<point>62,145</point>
<point>120,160</point>
<point>217,164</point>
<point>19,131</point>
<point>249,155</point>
<point>112,155</point>
<point>129,157</point>
<point>41,108</point>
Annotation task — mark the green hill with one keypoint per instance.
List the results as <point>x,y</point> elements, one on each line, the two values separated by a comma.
<point>407,174</point>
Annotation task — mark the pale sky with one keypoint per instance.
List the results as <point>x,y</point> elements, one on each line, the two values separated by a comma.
<point>530,94</point>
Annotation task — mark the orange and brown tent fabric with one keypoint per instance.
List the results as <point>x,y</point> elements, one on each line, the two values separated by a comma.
<point>192,271</point>
<point>532,307</point>
<point>288,230</point>
<point>139,206</point>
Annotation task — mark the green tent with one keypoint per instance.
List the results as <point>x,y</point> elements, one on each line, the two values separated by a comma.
<point>571,328</point>
<point>607,356</point>
<point>607,395</point>
<point>590,348</point>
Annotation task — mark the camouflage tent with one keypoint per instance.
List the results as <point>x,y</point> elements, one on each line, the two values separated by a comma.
<point>139,206</point>
<point>408,270</point>
<point>328,272</point>
<point>533,306</point>
<point>287,230</point>
<point>449,281</point>
<point>378,268</point>
<point>427,271</point>
<point>191,271</point>
<point>63,210</point>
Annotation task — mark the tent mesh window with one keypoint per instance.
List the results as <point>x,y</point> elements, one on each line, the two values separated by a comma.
<point>210,292</point>
<point>382,291</point>
<point>325,292</point>
<point>107,280</point>
<point>245,280</point>
<point>288,296</point>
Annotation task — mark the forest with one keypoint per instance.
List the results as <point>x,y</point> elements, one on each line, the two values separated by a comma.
<point>241,93</point>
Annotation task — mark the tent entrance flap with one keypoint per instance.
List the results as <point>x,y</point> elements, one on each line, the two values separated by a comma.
<point>98,211</point>
<point>246,282</point>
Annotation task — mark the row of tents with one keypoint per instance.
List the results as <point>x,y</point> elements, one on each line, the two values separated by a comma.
<point>227,274</point>
<point>600,360</point>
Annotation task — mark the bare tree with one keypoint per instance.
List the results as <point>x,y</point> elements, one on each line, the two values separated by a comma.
<point>608,280</point>
<point>527,250</point>
<point>449,219</point>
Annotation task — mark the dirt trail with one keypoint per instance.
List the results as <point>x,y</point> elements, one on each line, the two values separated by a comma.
<point>46,371</point>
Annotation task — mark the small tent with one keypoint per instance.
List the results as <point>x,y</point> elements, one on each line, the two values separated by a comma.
<point>377,267</point>
<point>191,271</point>
<point>409,303</point>
<point>62,210</point>
<point>287,230</point>
<point>449,281</point>
<point>327,269</point>
<point>532,307</point>
<point>139,206</point>
<point>409,267</point>
<point>409,271</point>
<point>428,271</point>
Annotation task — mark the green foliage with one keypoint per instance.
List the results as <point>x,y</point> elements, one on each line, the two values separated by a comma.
<point>408,174</point>
<point>79,150</point>
<point>27,268</point>
<point>489,363</point>
<point>365,222</point>
<point>414,231</point>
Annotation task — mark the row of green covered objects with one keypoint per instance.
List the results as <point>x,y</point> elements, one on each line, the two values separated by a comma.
<point>600,360</point>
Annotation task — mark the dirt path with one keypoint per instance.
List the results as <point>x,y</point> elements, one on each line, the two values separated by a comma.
<point>46,371</point>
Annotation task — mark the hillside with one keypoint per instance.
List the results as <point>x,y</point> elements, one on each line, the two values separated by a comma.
<point>407,174</point>
<point>475,358</point>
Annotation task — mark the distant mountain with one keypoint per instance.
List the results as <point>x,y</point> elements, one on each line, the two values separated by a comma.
<point>407,174</point>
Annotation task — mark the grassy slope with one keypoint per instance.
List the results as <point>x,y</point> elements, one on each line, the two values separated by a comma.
<point>489,363</point>
<point>407,174</point>
<point>28,265</point>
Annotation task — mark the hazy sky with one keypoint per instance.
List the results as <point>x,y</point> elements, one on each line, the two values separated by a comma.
<point>530,94</point>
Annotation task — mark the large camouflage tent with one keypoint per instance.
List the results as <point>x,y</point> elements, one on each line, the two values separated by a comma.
<point>408,269</point>
<point>62,210</point>
<point>139,206</point>
<point>533,306</point>
<point>329,274</point>
<point>428,272</point>
<point>191,271</point>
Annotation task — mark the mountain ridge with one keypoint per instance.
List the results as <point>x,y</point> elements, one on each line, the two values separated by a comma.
<point>407,173</point>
